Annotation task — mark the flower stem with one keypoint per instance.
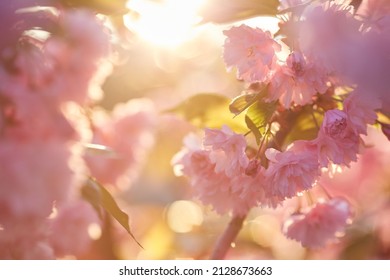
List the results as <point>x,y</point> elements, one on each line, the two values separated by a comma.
<point>226,239</point>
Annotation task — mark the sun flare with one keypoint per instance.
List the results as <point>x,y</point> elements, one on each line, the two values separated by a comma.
<point>166,23</point>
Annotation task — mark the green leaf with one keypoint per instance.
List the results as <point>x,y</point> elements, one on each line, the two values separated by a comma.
<point>260,114</point>
<point>209,110</point>
<point>100,199</point>
<point>223,11</point>
<point>242,102</point>
<point>253,128</point>
<point>305,127</point>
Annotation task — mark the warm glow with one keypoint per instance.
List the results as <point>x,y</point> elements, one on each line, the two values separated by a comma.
<point>168,23</point>
<point>183,215</point>
<point>94,231</point>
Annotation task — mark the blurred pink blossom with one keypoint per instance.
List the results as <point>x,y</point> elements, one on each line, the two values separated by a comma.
<point>127,134</point>
<point>34,175</point>
<point>69,233</point>
<point>252,51</point>
<point>79,57</point>
<point>25,240</point>
<point>321,223</point>
<point>360,108</point>
<point>326,34</point>
<point>41,163</point>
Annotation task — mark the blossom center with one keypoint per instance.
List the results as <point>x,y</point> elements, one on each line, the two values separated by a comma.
<point>250,52</point>
<point>337,127</point>
<point>298,68</point>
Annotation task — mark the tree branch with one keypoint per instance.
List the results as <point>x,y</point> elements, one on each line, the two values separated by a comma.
<point>226,239</point>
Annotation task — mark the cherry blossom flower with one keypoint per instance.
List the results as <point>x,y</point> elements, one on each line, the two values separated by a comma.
<point>252,51</point>
<point>210,187</point>
<point>297,82</point>
<point>291,172</point>
<point>320,224</point>
<point>253,190</point>
<point>227,150</point>
<point>337,141</point>
<point>236,191</point>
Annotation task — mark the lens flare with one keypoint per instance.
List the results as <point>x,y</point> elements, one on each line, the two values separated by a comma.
<point>168,23</point>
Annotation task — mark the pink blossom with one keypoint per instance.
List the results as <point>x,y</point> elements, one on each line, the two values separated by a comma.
<point>127,134</point>
<point>227,150</point>
<point>298,81</point>
<point>69,229</point>
<point>253,190</point>
<point>210,187</point>
<point>237,193</point>
<point>360,108</point>
<point>319,224</point>
<point>337,142</point>
<point>291,172</point>
<point>252,51</point>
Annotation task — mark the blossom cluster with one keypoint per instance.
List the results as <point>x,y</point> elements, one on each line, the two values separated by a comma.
<point>329,58</point>
<point>221,172</point>
<point>49,79</point>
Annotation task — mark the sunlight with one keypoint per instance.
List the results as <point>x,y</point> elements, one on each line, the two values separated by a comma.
<point>167,23</point>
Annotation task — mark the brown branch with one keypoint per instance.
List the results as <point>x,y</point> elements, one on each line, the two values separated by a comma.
<point>226,239</point>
